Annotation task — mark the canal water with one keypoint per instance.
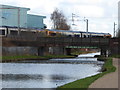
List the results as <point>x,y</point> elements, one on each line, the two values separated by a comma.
<point>48,74</point>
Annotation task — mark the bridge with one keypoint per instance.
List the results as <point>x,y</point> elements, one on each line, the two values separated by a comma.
<point>104,44</point>
<point>56,41</point>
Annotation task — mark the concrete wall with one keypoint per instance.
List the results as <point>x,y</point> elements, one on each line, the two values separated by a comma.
<point>14,16</point>
<point>19,51</point>
<point>35,21</point>
<point>115,46</point>
<point>57,50</point>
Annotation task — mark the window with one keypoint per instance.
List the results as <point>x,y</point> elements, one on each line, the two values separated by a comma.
<point>2,32</point>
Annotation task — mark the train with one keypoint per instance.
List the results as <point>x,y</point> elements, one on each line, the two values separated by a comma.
<point>83,34</point>
<point>5,31</point>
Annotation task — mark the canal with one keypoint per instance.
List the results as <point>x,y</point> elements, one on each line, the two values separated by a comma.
<point>49,73</point>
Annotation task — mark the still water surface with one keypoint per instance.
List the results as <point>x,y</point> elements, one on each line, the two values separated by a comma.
<point>47,75</point>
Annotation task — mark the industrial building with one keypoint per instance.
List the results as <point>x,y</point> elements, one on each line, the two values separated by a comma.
<point>35,21</point>
<point>12,16</point>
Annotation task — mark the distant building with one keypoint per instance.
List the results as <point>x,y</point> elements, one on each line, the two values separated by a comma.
<point>35,21</point>
<point>13,16</point>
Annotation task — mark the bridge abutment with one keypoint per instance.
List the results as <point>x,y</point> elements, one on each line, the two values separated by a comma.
<point>41,51</point>
<point>105,51</point>
<point>57,50</point>
<point>68,51</point>
<point>115,46</point>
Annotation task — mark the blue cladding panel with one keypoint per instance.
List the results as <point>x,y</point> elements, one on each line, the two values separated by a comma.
<point>13,16</point>
<point>17,17</point>
<point>35,21</point>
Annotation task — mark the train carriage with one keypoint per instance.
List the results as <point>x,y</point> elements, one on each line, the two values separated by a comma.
<point>4,31</point>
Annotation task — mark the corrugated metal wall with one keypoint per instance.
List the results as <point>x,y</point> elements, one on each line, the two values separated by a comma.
<point>18,17</point>
<point>35,21</point>
<point>14,16</point>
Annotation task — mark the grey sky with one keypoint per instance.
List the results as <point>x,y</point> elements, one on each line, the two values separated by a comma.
<point>100,13</point>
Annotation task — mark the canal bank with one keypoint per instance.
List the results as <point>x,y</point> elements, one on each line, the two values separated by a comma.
<point>108,80</point>
<point>16,58</point>
<point>85,82</point>
<point>24,58</point>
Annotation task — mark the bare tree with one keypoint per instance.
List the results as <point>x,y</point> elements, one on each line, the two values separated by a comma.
<point>59,20</point>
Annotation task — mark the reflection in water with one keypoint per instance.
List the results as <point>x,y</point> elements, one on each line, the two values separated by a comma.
<point>46,75</point>
<point>15,77</point>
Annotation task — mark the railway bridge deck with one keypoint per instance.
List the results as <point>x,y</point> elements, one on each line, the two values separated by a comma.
<point>103,43</point>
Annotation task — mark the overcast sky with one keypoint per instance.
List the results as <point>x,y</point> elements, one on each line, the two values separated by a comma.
<point>101,14</point>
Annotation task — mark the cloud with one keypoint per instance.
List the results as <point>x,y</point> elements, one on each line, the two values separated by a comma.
<point>84,8</point>
<point>91,26</point>
<point>95,2</point>
<point>90,11</point>
<point>85,2</point>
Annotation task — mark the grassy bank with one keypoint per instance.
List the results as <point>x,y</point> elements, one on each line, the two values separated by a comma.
<point>116,56</point>
<point>29,57</point>
<point>18,58</point>
<point>84,83</point>
<point>81,52</point>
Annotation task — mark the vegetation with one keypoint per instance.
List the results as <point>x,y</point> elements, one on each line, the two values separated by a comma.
<point>49,56</point>
<point>116,56</point>
<point>84,83</point>
<point>78,52</point>
<point>101,57</point>
<point>19,57</point>
<point>16,58</point>
<point>58,56</point>
<point>59,20</point>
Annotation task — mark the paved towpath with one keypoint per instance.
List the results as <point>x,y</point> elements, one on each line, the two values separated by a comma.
<point>109,80</point>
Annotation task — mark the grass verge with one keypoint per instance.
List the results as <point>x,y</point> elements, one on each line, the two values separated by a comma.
<point>84,83</point>
<point>116,56</point>
<point>18,58</point>
<point>81,52</point>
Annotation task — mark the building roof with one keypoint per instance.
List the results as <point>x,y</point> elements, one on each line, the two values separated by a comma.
<point>37,15</point>
<point>9,6</point>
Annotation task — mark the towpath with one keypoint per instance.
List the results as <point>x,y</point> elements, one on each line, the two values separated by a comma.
<point>109,80</point>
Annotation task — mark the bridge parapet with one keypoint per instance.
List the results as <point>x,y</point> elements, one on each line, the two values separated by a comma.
<point>59,41</point>
<point>106,45</point>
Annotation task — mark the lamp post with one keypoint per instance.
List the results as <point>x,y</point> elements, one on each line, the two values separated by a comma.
<point>86,20</point>
<point>114,29</point>
<point>73,15</point>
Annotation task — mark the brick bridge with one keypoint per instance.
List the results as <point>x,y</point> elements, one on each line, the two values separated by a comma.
<point>106,45</point>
